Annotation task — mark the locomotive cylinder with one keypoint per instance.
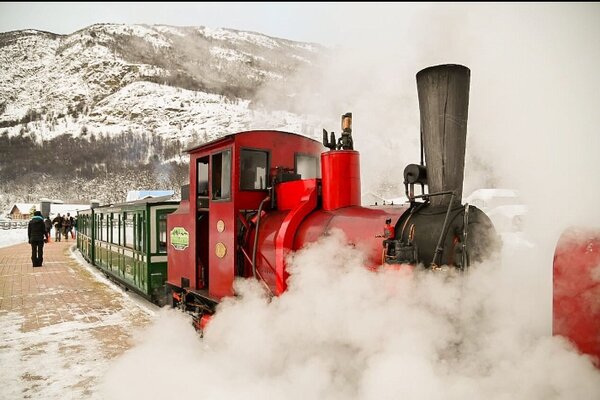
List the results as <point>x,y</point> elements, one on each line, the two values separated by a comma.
<point>443,92</point>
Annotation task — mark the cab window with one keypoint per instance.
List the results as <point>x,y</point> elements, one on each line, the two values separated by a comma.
<point>202,177</point>
<point>221,175</point>
<point>202,182</point>
<point>307,166</point>
<point>253,169</point>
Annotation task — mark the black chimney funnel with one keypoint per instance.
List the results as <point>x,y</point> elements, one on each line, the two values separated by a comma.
<point>444,104</point>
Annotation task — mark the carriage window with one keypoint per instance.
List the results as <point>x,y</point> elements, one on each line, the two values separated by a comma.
<point>253,171</point>
<point>99,226</point>
<point>115,228</point>
<point>221,175</point>
<point>128,230</point>
<point>307,166</point>
<point>162,232</point>
<point>141,231</point>
<point>109,222</point>
<point>102,227</point>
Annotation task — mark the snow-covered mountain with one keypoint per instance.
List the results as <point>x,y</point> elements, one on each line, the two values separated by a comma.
<point>171,80</point>
<point>171,86</point>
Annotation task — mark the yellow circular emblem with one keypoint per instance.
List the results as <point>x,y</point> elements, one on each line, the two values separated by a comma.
<point>220,225</point>
<point>220,250</point>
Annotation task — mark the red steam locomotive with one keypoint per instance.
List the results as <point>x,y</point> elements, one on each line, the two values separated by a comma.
<point>256,196</point>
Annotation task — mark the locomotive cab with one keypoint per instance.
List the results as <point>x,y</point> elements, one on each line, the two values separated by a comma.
<point>229,179</point>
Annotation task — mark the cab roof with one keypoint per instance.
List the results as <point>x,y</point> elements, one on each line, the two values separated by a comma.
<point>232,136</point>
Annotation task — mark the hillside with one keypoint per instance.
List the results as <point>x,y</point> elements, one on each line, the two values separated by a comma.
<point>103,84</point>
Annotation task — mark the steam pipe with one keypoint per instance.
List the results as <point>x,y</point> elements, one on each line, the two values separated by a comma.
<point>439,248</point>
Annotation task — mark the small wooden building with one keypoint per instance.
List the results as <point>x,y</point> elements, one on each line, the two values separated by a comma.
<point>22,210</point>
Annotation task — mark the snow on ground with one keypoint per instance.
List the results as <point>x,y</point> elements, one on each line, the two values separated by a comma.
<point>8,237</point>
<point>144,32</point>
<point>229,54</point>
<point>73,340</point>
<point>169,29</point>
<point>65,359</point>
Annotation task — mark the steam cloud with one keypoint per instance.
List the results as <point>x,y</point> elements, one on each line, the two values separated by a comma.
<point>342,332</point>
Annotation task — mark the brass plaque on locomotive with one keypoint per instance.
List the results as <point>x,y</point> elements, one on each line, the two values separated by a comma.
<point>220,250</point>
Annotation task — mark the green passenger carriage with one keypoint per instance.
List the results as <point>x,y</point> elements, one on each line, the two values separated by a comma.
<point>128,242</point>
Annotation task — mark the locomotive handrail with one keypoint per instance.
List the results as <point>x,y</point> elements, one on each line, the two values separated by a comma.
<point>265,260</point>
<point>262,280</point>
<point>256,273</point>
<point>254,248</point>
<point>243,220</point>
<point>464,255</point>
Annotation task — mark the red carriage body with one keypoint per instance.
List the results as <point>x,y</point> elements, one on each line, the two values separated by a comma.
<point>576,300</point>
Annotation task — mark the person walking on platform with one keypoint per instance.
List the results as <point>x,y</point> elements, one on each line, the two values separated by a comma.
<point>48,226</point>
<point>36,231</point>
<point>66,226</point>
<point>69,227</point>
<point>57,221</point>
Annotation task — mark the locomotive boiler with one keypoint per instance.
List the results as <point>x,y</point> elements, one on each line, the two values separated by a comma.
<point>256,196</point>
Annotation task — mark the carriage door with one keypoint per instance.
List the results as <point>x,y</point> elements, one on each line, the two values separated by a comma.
<point>202,222</point>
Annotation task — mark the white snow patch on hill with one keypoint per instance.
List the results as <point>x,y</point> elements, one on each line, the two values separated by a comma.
<point>238,36</point>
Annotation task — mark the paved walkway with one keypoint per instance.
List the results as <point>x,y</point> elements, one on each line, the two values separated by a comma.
<point>60,325</point>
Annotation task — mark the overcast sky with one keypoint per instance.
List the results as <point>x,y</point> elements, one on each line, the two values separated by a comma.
<point>289,20</point>
<point>325,23</point>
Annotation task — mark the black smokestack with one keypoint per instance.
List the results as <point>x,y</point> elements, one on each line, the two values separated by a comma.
<point>444,103</point>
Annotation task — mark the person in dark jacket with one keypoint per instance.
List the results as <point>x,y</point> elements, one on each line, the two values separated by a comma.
<point>57,221</point>
<point>68,226</point>
<point>36,231</point>
<point>48,225</point>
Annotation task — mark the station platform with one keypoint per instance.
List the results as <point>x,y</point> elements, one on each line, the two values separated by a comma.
<point>60,324</point>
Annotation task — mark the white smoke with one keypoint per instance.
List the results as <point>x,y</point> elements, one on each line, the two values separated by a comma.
<point>341,332</point>
<point>532,113</point>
